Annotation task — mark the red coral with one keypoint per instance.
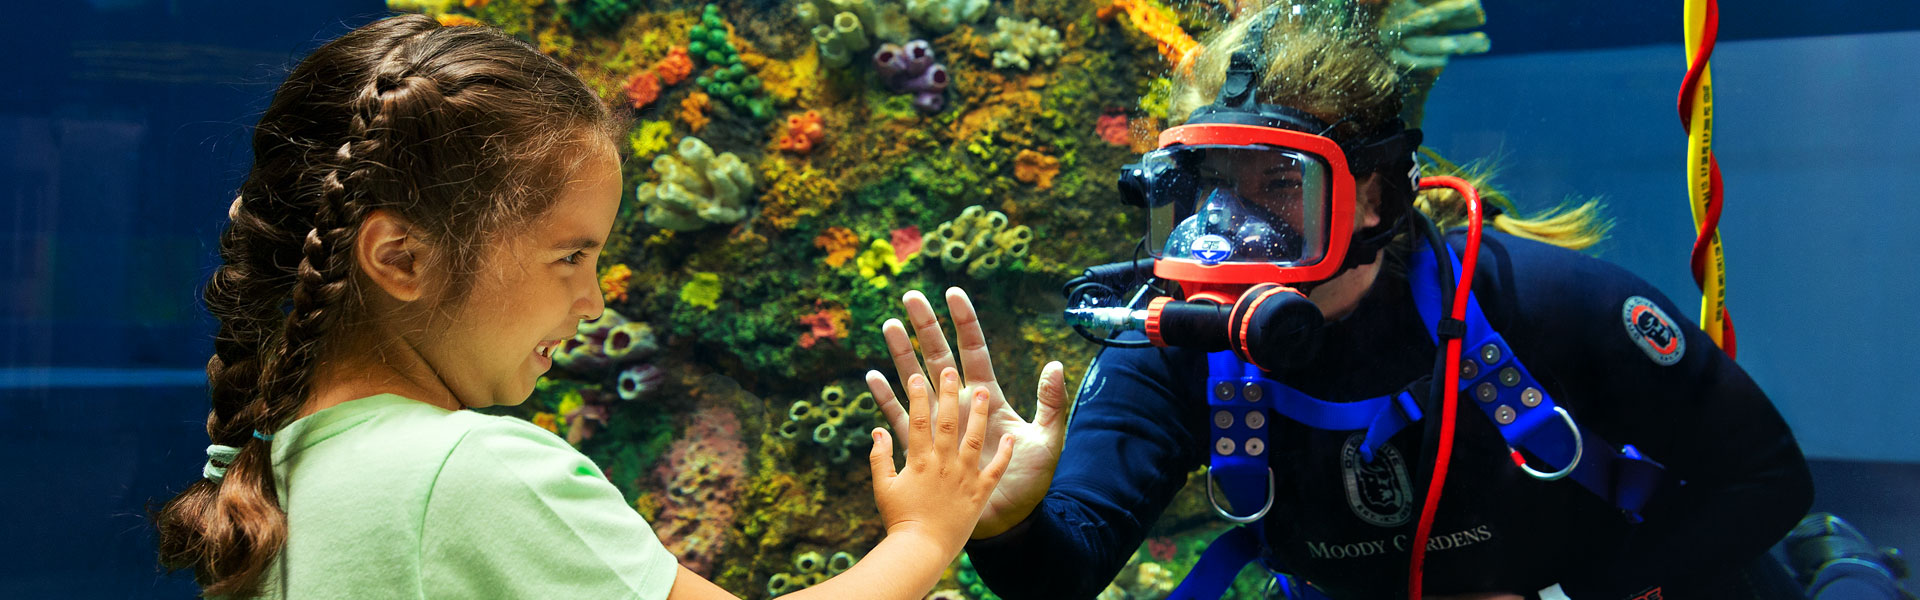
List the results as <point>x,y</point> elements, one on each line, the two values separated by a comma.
<point>803,131</point>
<point>906,242</point>
<point>643,88</point>
<point>702,475</point>
<point>1112,127</point>
<point>825,324</point>
<point>1161,548</point>
<point>675,67</point>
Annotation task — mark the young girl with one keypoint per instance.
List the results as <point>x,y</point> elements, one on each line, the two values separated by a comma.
<point>418,233</point>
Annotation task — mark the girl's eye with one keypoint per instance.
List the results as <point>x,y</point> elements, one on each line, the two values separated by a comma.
<point>575,258</point>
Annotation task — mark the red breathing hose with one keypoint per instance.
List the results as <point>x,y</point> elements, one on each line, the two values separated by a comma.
<point>1710,225</point>
<point>1447,408</point>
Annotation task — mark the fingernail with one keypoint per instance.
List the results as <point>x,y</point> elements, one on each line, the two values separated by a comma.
<point>949,376</point>
<point>876,434</point>
<point>918,383</point>
<point>980,395</point>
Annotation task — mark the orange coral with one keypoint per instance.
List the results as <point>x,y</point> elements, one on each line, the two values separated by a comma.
<point>1035,168</point>
<point>473,3</point>
<point>840,243</point>
<point>825,324</point>
<point>803,131</point>
<point>693,110</point>
<point>613,284</point>
<point>452,20</point>
<point>675,67</point>
<point>1152,19</point>
<point>643,88</point>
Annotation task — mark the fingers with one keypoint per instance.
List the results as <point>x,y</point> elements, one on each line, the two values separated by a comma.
<point>946,419</point>
<point>883,397</point>
<point>1052,396</point>
<point>906,362</point>
<point>1000,459</point>
<point>926,328</point>
<point>880,458</point>
<point>919,420</point>
<point>975,361</point>
<point>976,436</point>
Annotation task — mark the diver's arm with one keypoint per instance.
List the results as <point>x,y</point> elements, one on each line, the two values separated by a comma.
<point>1128,451</point>
<point>1702,417</point>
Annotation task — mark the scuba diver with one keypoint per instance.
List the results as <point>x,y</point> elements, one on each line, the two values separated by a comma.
<point>1546,426</point>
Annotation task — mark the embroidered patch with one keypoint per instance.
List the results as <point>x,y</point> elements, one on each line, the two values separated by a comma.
<point>1653,332</point>
<point>1379,492</point>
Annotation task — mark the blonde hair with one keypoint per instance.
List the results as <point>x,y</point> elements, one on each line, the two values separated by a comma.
<point>1330,61</point>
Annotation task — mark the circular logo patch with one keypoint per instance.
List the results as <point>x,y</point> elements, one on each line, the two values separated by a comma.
<point>1653,332</point>
<point>1211,249</point>
<point>1378,492</point>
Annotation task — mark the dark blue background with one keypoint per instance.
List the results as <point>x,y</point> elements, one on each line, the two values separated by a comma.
<point>124,131</point>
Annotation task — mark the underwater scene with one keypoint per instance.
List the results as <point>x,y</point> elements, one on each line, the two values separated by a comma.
<point>793,169</point>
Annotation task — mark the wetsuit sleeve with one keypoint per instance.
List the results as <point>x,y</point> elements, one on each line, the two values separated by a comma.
<point>1698,413</point>
<point>1129,449</point>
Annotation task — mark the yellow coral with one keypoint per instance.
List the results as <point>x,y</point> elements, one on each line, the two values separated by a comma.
<point>650,138</point>
<point>702,291</point>
<point>613,284</point>
<point>880,256</point>
<point>570,403</point>
<point>1035,168</point>
<point>547,421</point>
<point>451,20</point>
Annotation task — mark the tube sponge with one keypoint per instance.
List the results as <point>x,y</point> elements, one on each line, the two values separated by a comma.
<point>839,563</point>
<point>780,584</point>
<point>825,433</point>
<point>833,395</point>
<point>800,411</point>
<point>979,240</point>
<point>630,341</point>
<point>944,15</point>
<point>639,380</point>
<point>809,562</point>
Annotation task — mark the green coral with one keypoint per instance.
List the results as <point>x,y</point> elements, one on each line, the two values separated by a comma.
<point>597,15</point>
<point>1158,97</point>
<point>730,83</point>
<point>831,421</point>
<point>702,291</point>
<point>979,241</point>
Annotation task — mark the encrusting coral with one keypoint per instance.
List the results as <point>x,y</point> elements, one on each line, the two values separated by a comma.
<point>696,188</point>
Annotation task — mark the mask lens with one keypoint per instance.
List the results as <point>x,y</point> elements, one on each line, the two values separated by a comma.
<point>1237,204</point>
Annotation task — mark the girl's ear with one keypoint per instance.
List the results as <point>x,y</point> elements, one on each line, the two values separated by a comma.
<point>387,252</point>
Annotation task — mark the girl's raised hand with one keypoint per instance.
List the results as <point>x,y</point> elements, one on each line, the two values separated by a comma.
<point>943,488</point>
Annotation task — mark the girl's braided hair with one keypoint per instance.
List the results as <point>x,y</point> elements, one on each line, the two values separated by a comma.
<point>460,131</point>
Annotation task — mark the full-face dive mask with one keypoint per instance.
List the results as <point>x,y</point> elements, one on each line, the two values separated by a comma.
<point>1246,202</point>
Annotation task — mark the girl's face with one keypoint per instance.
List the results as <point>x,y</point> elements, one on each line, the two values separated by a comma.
<point>535,286</point>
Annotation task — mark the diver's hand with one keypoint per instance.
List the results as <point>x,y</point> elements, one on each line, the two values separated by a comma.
<point>942,490</point>
<point>1037,444</point>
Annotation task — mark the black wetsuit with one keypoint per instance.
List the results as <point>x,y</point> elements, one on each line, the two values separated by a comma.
<point>1140,426</point>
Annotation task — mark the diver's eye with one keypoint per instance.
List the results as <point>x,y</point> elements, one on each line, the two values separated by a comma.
<point>1282,185</point>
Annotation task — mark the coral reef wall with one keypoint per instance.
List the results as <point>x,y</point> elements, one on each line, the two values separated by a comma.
<point>847,151</point>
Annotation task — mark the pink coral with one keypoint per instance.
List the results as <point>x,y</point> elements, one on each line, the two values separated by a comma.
<point>1161,548</point>
<point>703,475</point>
<point>1112,127</point>
<point>906,242</point>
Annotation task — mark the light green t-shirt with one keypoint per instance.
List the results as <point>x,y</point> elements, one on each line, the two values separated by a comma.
<point>387,497</point>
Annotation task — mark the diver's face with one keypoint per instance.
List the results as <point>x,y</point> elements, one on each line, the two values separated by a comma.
<point>1267,181</point>
<point>535,286</point>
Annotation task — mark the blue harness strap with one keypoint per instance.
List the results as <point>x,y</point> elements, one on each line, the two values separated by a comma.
<point>1239,396</point>
<point>1523,411</point>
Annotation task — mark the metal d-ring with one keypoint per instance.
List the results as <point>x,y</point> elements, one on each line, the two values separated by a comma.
<point>1578,449</point>
<point>1237,519</point>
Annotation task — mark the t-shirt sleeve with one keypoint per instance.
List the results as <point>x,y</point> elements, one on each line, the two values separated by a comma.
<point>517,513</point>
